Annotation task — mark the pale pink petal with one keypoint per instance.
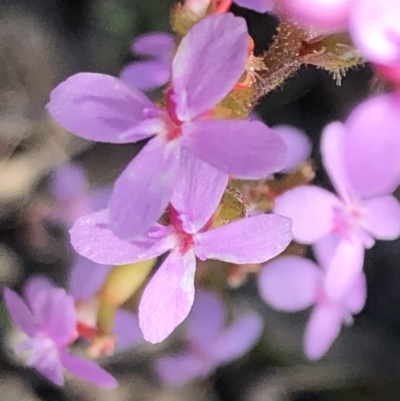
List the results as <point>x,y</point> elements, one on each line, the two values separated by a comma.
<point>92,238</point>
<point>373,160</point>
<point>49,365</point>
<point>250,240</point>
<point>238,338</point>
<point>126,328</point>
<point>197,192</point>
<point>333,157</point>
<point>168,298</point>
<point>290,283</point>
<point>86,277</point>
<point>143,190</point>
<point>356,296</point>
<point>242,148</point>
<point>88,371</point>
<point>260,6</point>
<point>322,330</point>
<point>344,267</point>
<point>156,44</point>
<point>206,319</point>
<point>200,77</point>
<point>146,75</point>
<point>20,313</point>
<point>298,146</point>
<point>312,210</point>
<point>382,217</point>
<point>180,369</point>
<point>100,107</point>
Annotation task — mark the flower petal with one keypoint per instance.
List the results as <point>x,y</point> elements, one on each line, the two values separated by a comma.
<point>88,371</point>
<point>312,210</point>
<point>156,44</point>
<point>200,77</point>
<point>345,265</point>
<point>382,217</point>
<point>47,362</point>
<point>356,297</point>
<point>168,298</point>
<point>19,311</point>
<point>238,338</point>
<point>86,277</point>
<point>250,240</point>
<point>146,75</point>
<point>242,148</point>
<point>126,328</point>
<point>333,157</point>
<point>92,238</point>
<point>180,369</point>
<point>206,319</point>
<point>68,183</point>
<point>372,160</point>
<point>261,6</point>
<point>143,190</point>
<point>290,283</point>
<point>34,286</point>
<point>198,190</point>
<point>322,330</point>
<point>101,108</point>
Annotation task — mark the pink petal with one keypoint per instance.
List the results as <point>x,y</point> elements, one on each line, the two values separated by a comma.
<point>244,149</point>
<point>250,240</point>
<point>86,277</point>
<point>143,190</point>
<point>322,330</point>
<point>356,297</point>
<point>20,313</point>
<point>34,286</point>
<point>146,75</point>
<point>92,238</point>
<point>344,266</point>
<point>373,160</point>
<point>69,182</point>
<point>298,146</point>
<point>333,157</point>
<point>180,369</point>
<point>238,338</point>
<point>198,190</point>
<point>312,210</point>
<point>126,328</point>
<point>261,6</point>
<point>382,217</point>
<point>100,107</point>
<point>290,283</point>
<point>168,298</point>
<point>200,77</point>
<point>88,371</point>
<point>156,44</point>
<point>49,365</point>
<point>206,319</point>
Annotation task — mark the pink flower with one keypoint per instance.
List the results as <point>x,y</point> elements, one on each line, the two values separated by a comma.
<point>50,323</point>
<point>102,108</point>
<point>260,6</point>
<point>155,71</point>
<point>210,343</point>
<point>168,298</point>
<point>292,283</point>
<point>364,168</point>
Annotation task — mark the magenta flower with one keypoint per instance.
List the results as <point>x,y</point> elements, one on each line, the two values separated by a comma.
<point>155,71</point>
<point>261,6</point>
<point>364,169</point>
<point>210,343</point>
<point>168,298</point>
<point>50,323</point>
<point>292,283</point>
<point>100,107</point>
<point>70,188</point>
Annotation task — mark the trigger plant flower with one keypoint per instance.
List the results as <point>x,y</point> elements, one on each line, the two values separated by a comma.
<point>49,320</point>
<point>168,297</point>
<point>209,62</point>
<point>210,342</point>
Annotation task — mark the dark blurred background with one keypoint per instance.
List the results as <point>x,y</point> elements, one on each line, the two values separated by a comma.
<point>44,41</point>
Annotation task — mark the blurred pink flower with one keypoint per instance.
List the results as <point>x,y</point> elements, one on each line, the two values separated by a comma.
<point>292,283</point>
<point>50,323</point>
<point>155,70</point>
<point>210,343</point>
